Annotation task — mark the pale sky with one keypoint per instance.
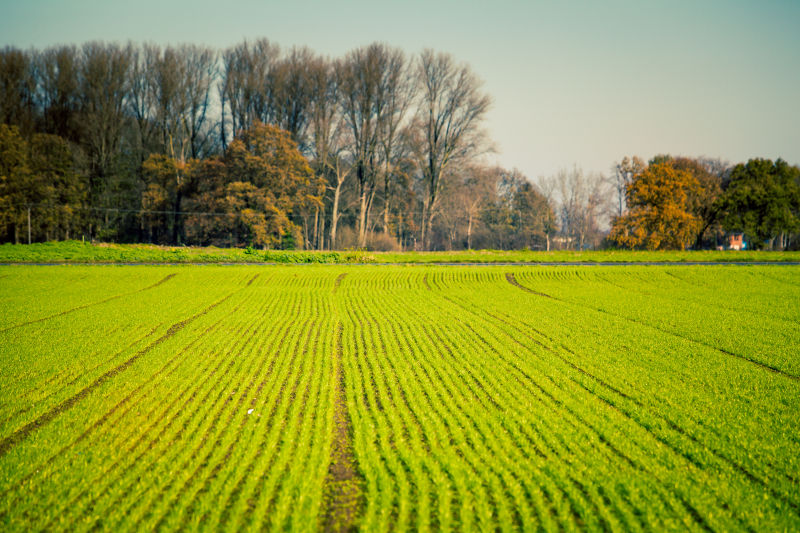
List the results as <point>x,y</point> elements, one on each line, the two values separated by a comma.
<point>573,82</point>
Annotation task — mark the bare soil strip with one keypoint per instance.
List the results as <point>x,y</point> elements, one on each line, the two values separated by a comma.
<point>338,282</point>
<point>698,518</point>
<point>153,286</point>
<point>510,278</point>
<point>21,434</point>
<point>513,281</point>
<point>343,485</point>
<point>87,305</point>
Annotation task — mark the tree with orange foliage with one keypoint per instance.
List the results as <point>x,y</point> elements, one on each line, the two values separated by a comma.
<point>658,216</point>
<point>258,186</point>
<point>167,179</point>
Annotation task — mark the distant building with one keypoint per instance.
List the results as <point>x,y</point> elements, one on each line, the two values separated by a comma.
<point>736,242</point>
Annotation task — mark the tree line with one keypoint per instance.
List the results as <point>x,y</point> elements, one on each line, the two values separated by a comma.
<point>258,146</point>
<point>675,203</point>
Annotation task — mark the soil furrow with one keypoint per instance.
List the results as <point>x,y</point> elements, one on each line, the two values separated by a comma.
<point>343,484</point>
<point>338,282</point>
<point>513,281</point>
<point>62,313</point>
<point>107,416</point>
<point>743,358</point>
<point>21,434</point>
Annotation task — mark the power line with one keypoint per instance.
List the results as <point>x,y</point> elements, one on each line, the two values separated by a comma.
<point>213,214</point>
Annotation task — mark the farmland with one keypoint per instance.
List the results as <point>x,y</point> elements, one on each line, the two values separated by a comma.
<point>173,398</point>
<point>77,252</point>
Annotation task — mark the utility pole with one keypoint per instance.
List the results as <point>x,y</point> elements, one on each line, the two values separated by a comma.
<point>29,224</point>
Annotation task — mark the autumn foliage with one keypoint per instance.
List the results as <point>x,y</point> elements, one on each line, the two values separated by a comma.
<point>251,193</point>
<point>38,172</point>
<point>659,216</point>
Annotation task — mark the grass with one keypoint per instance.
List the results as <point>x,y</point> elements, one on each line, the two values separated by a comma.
<point>80,252</point>
<point>645,398</point>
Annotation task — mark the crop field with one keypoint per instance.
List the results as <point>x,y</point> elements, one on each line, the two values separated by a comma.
<point>394,398</point>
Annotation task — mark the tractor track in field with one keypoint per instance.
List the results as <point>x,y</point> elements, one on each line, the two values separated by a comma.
<point>114,409</point>
<point>62,313</point>
<point>338,282</point>
<point>510,278</point>
<point>733,464</point>
<point>616,451</point>
<point>759,364</point>
<point>343,484</point>
<point>722,457</point>
<point>153,439</point>
<point>21,434</point>
<point>57,377</point>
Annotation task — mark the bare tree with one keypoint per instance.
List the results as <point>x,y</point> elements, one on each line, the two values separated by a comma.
<point>450,113</point>
<point>398,91</point>
<point>366,80</point>
<point>200,75</point>
<point>582,199</point>
<point>169,80</point>
<point>328,129</point>
<point>18,89</point>
<point>547,187</point>
<point>290,81</point>
<point>58,90</point>
<point>621,176</point>
<point>142,98</point>
<point>474,190</point>
<point>245,89</point>
<point>103,89</point>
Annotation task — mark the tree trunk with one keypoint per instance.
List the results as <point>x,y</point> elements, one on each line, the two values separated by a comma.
<point>362,216</point>
<point>424,235</point>
<point>335,214</point>
<point>316,229</point>
<point>370,201</point>
<point>469,233</point>
<point>176,219</point>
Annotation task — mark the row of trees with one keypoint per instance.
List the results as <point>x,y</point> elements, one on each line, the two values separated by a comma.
<point>253,145</point>
<point>677,203</point>
<point>383,131</point>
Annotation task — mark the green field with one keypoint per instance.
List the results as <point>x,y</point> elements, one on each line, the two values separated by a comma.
<point>82,252</point>
<point>381,398</point>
